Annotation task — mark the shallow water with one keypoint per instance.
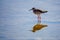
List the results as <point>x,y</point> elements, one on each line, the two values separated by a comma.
<point>18,32</point>
<point>16,21</point>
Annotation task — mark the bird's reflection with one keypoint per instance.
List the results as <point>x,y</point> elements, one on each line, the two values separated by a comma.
<point>38,27</point>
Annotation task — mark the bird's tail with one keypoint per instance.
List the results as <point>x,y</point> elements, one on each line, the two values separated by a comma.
<point>45,11</point>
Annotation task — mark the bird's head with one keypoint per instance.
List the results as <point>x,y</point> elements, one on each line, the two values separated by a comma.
<point>32,9</point>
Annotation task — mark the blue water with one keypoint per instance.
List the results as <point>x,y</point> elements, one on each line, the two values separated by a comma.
<point>16,20</point>
<point>12,31</point>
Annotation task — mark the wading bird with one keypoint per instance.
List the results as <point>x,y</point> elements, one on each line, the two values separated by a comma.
<point>38,26</point>
<point>38,12</point>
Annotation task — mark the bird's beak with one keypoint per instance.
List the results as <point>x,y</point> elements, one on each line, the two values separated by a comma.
<point>30,9</point>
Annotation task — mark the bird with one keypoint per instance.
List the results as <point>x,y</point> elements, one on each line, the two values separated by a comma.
<point>38,11</point>
<point>38,26</point>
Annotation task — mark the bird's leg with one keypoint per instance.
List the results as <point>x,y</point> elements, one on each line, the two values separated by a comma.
<point>39,19</point>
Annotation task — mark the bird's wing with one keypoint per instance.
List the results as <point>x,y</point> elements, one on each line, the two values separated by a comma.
<point>39,10</point>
